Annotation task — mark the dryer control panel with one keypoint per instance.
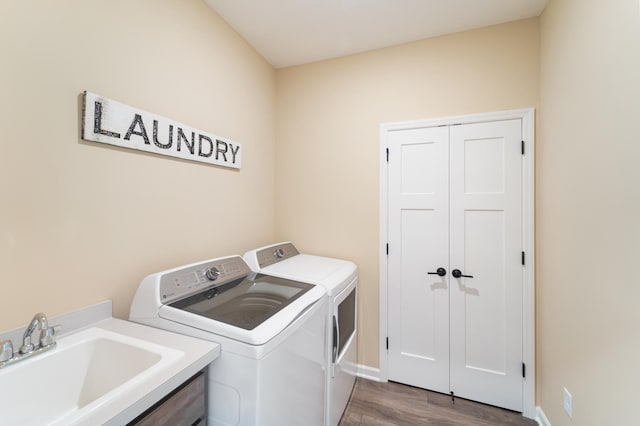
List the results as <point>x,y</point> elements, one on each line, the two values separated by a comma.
<point>186,281</point>
<point>276,253</point>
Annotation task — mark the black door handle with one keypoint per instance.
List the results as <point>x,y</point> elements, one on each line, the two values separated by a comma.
<point>440,271</point>
<point>457,274</point>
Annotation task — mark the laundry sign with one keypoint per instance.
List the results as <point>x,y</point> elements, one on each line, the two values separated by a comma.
<point>114,123</point>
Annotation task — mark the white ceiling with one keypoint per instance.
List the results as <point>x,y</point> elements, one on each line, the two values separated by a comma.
<point>293,32</point>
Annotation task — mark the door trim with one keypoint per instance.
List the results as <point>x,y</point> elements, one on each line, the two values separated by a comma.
<point>528,191</point>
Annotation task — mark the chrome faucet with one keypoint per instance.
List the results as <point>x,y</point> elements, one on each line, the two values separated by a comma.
<point>39,321</point>
<point>27,349</point>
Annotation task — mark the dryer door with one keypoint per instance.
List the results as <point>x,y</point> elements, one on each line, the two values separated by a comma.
<point>345,353</point>
<point>344,321</point>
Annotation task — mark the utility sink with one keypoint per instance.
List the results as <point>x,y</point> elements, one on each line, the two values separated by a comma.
<point>90,377</point>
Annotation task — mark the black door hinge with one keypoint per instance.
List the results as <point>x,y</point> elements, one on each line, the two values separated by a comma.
<point>522,258</point>
<point>387,249</point>
<point>387,343</point>
<point>387,155</point>
<point>524,371</point>
<point>522,147</point>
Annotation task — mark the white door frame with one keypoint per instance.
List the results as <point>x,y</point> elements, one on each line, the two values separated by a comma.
<point>528,324</point>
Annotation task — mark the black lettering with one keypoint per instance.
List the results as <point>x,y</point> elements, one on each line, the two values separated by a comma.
<point>137,121</point>
<point>200,153</point>
<point>155,136</point>
<point>234,152</point>
<point>181,137</point>
<point>97,122</point>
<point>219,150</point>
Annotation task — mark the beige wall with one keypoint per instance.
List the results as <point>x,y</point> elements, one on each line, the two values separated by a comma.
<point>588,212</point>
<point>82,222</point>
<point>328,118</point>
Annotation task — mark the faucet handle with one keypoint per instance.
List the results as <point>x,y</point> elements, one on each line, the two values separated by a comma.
<point>47,335</point>
<point>6,350</point>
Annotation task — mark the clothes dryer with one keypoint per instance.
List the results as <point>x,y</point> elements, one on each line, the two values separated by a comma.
<point>339,278</point>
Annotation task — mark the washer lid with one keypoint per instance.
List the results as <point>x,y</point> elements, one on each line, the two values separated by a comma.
<point>245,303</point>
<point>252,309</point>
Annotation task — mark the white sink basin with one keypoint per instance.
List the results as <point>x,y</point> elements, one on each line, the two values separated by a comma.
<point>86,371</point>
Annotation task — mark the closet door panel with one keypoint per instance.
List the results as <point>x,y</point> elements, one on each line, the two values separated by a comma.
<point>418,244</point>
<point>486,245</point>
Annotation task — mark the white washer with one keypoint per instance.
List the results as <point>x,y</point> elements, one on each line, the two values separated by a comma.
<point>339,278</point>
<point>272,335</point>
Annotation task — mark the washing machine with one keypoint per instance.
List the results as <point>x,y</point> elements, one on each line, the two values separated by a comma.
<point>271,368</point>
<point>339,278</point>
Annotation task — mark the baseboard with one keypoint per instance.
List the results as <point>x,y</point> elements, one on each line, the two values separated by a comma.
<point>369,373</point>
<point>541,418</point>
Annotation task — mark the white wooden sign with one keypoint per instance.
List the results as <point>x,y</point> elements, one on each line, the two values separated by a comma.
<point>113,123</point>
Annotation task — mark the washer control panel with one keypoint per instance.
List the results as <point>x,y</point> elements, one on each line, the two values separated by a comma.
<point>274,254</point>
<point>191,279</point>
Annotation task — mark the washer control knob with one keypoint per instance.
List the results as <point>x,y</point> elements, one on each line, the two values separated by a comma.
<point>212,273</point>
<point>279,253</point>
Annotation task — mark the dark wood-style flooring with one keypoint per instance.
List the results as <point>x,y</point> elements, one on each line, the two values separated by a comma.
<point>393,404</point>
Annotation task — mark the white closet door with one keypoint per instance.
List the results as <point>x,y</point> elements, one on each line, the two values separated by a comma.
<point>418,244</point>
<point>486,243</point>
<point>455,202</point>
